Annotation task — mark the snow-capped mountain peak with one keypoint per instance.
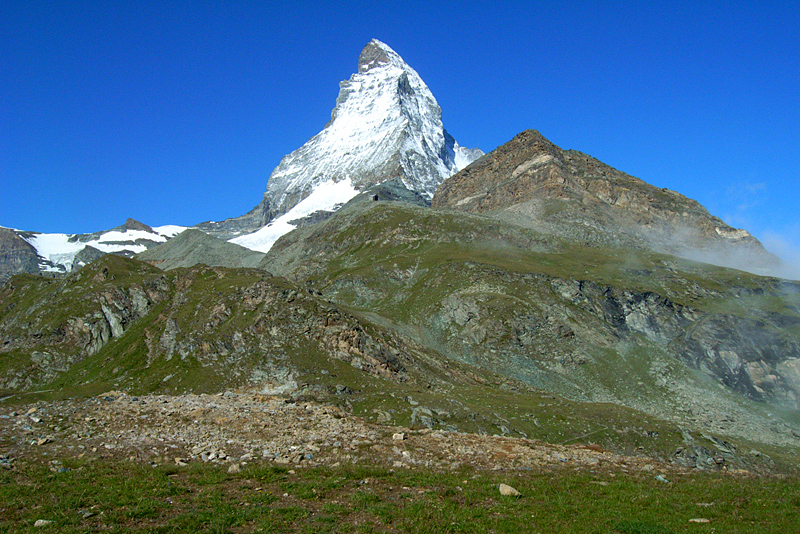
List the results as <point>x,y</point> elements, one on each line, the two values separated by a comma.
<point>386,124</point>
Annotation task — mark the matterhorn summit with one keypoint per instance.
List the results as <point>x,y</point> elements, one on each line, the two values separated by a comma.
<point>386,125</point>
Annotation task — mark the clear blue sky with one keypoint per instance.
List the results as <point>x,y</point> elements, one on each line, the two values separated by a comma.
<point>176,112</point>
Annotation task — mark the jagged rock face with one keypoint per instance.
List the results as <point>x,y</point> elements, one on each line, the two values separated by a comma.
<point>386,124</point>
<point>91,309</point>
<point>531,181</point>
<point>16,255</point>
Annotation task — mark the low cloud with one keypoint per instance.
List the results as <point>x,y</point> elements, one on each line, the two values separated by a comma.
<point>781,260</point>
<point>786,246</point>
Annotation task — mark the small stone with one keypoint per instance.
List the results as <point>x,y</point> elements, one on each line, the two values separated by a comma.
<point>42,523</point>
<point>508,491</point>
<point>42,441</point>
<point>399,436</point>
<point>661,478</point>
<point>234,468</point>
<point>700,520</point>
<point>181,461</point>
<point>383,416</point>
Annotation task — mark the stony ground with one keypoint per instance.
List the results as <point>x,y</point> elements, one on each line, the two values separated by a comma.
<point>239,428</point>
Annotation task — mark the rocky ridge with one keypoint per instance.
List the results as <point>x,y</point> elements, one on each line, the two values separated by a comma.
<point>192,247</point>
<point>449,364</point>
<point>532,182</point>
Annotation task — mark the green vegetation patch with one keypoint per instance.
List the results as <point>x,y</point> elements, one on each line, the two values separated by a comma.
<point>108,496</point>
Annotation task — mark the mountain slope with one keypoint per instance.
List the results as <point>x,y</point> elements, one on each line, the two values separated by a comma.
<point>386,124</point>
<point>677,339</point>
<point>124,325</point>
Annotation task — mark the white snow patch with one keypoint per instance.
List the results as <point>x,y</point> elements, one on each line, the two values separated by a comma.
<point>170,230</point>
<point>327,196</point>
<point>128,235</point>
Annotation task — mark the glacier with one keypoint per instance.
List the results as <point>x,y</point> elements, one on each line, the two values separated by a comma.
<point>57,251</point>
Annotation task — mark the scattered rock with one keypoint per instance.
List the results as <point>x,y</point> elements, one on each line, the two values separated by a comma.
<point>661,478</point>
<point>42,523</point>
<point>234,468</point>
<point>700,520</point>
<point>423,416</point>
<point>238,427</point>
<point>508,491</point>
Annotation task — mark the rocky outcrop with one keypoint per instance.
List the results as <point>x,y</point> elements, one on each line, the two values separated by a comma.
<point>72,319</point>
<point>86,256</point>
<point>755,356</point>
<point>672,337</point>
<point>16,255</point>
<point>234,324</point>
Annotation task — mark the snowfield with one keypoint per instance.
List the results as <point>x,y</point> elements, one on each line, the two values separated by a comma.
<point>326,196</point>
